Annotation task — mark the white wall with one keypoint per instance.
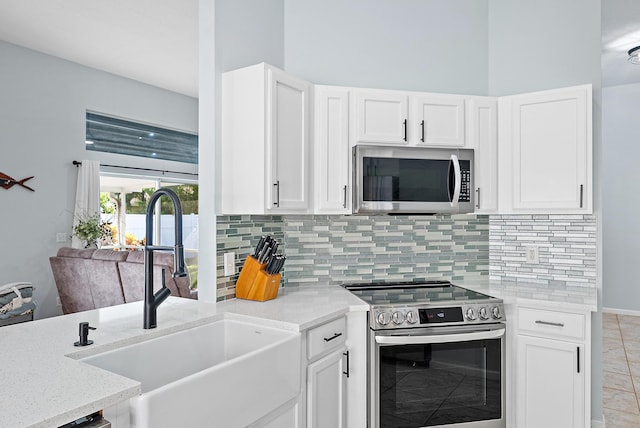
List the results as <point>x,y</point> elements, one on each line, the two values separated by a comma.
<point>621,218</point>
<point>543,44</point>
<point>42,121</point>
<point>436,45</point>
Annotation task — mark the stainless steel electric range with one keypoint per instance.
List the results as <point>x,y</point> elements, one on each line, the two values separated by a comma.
<point>436,355</point>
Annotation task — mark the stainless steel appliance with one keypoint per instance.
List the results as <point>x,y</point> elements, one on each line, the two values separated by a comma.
<point>436,356</point>
<point>412,180</point>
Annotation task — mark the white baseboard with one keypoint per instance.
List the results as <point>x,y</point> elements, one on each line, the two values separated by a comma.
<point>620,311</point>
<point>597,424</point>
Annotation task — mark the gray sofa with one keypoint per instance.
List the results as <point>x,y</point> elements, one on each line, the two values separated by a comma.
<point>90,279</point>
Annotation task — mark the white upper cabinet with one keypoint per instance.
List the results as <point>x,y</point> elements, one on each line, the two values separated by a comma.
<point>331,154</point>
<point>546,148</point>
<point>407,118</point>
<point>533,152</point>
<point>265,142</point>
<point>380,116</point>
<point>438,120</point>
<point>288,141</point>
<point>482,136</point>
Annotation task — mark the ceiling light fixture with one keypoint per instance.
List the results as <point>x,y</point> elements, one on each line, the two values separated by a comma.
<point>634,55</point>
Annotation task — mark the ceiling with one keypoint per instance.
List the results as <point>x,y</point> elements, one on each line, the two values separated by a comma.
<point>151,41</point>
<point>620,32</point>
<point>156,42</point>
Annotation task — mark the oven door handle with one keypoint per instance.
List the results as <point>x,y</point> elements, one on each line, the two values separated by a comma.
<point>439,338</point>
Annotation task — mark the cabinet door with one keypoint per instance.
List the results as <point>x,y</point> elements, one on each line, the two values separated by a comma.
<point>551,157</point>
<point>287,142</point>
<point>331,158</point>
<point>326,392</point>
<point>381,117</point>
<point>550,383</point>
<point>438,120</point>
<point>482,136</point>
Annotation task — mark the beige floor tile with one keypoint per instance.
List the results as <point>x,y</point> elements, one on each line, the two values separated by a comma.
<point>608,317</point>
<point>623,401</point>
<point>619,367</point>
<point>617,419</point>
<point>611,343</point>
<point>630,332</point>
<point>611,333</point>
<point>629,320</point>
<point>636,384</point>
<point>634,369</point>
<point>633,354</point>
<point>618,381</point>
<point>615,354</point>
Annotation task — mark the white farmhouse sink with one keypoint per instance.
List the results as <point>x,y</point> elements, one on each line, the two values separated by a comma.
<point>224,374</point>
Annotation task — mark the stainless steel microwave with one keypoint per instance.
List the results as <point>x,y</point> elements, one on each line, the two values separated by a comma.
<point>412,180</point>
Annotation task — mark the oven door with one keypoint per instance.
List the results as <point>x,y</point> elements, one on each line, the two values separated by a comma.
<point>438,377</point>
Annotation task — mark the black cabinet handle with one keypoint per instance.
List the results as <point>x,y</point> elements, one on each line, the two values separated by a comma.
<point>335,336</point>
<point>344,204</point>
<point>277,186</point>
<point>578,357</point>
<point>554,324</point>
<point>405,129</point>
<point>581,194</point>
<point>422,138</point>
<point>346,354</point>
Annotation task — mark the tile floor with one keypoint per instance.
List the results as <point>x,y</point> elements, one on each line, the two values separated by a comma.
<point>621,364</point>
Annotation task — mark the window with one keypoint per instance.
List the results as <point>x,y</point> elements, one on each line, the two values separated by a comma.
<point>111,135</point>
<point>123,201</point>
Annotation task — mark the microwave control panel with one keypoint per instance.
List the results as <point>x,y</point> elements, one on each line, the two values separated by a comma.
<point>465,185</point>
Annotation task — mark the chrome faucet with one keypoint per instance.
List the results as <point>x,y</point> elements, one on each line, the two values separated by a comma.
<point>151,300</point>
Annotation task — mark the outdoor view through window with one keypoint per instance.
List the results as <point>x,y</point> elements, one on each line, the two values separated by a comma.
<point>123,203</point>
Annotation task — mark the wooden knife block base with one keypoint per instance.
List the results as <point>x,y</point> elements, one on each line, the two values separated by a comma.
<point>254,283</point>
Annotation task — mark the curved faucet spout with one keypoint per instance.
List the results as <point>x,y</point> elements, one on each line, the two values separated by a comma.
<point>151,300</point>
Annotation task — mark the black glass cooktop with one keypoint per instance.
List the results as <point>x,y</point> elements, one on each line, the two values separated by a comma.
<point>411,293</point>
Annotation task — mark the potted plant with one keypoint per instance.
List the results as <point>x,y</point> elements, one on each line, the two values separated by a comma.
<point>90,229</point>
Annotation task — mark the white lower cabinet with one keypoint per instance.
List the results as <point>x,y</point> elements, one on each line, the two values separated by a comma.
<point>335,389</point>
<point>552,369</point>
<point>326,384</point>
<point>326,375</point>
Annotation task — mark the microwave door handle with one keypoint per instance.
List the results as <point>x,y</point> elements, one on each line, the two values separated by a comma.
<point>458,180</point>
<point>439,338</point>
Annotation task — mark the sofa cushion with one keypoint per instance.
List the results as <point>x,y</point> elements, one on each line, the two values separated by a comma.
<point>71,276</point>
<point>89,279</point>
<point>75,252</point>
<point>117,256</point>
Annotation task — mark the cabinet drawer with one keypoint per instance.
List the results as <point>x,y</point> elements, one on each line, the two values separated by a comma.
<point>326,337</point>
<point>541,322</point>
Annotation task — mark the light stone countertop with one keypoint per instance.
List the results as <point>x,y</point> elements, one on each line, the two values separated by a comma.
<point>541,295</point>
<point>43,384</point>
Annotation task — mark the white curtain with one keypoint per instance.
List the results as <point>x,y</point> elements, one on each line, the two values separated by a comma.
<point>87,195</point>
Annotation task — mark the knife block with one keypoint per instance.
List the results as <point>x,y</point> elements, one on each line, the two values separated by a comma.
<point>247,276</point>
<point>265,286</point>
<point>254,283</point>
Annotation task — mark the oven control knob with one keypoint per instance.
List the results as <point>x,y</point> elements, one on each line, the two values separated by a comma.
<point>412,317</point>
<point>495,312</point>
<point>470,314</point>
<point>397,317</point>
<point>383,318</point>
<point>484,314</point>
